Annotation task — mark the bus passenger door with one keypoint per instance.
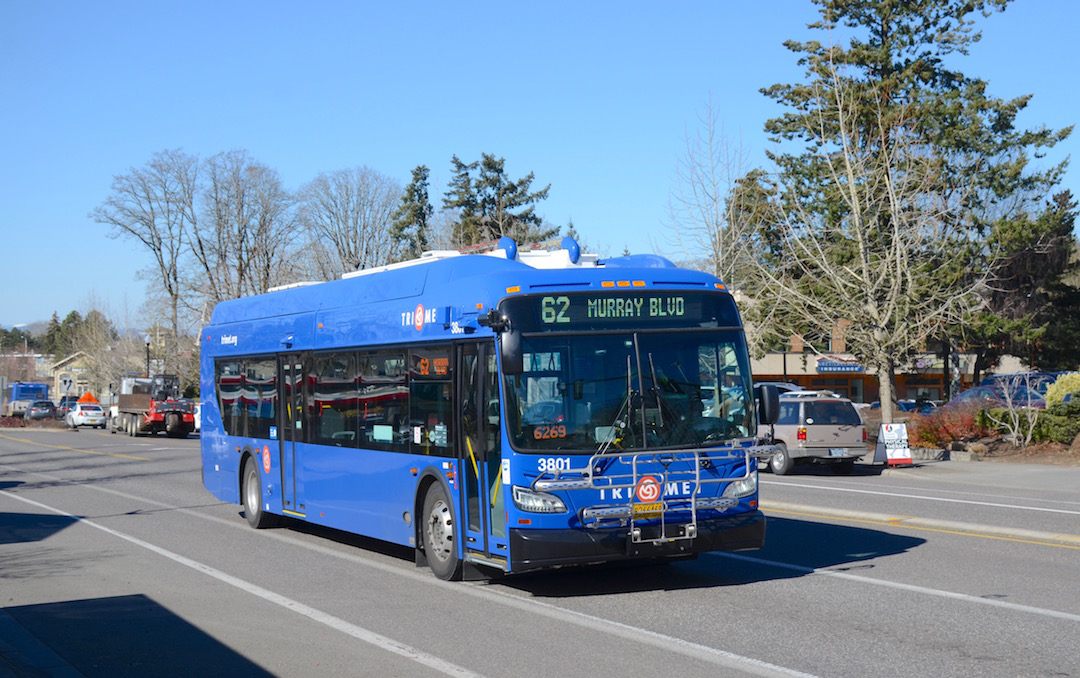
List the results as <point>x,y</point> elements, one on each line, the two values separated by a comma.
<point>480,453</point>
<point>291,423</point>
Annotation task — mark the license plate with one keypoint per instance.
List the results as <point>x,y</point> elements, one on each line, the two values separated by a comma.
<point>837,452</point>
<point>648,511</point>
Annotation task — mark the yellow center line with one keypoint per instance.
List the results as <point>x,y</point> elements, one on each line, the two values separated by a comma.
<point>73,449</point>
<point>909,526</point>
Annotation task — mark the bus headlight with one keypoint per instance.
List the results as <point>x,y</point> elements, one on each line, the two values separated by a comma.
<point>537,502</point>
<point>744,487</point>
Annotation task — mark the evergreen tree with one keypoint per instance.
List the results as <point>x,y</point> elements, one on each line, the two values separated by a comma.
<point>1059,292</point>
<point>492,205</point>
<point>1036,254</point>
<point>412,220</point>
<point>51,341</point>
<point>462,197</point>
<point>571,231</point>
<point>892,171</point>
<point>69,332</point>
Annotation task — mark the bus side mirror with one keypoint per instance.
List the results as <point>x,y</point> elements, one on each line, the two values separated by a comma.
<point>768,404</point>
<point>513,361</point>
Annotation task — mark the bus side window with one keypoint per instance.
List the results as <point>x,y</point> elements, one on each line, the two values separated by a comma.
<point>335,400</point>
<point>384,401</point>
<point>431,401</point>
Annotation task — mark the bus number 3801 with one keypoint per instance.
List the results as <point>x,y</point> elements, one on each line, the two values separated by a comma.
<point>549,464</point>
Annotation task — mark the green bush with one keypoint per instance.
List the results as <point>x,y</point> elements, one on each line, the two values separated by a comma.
<point>1060,423</point>
<point>1066,383</point>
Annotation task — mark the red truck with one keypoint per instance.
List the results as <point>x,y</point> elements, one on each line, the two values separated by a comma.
<point>149,405</point>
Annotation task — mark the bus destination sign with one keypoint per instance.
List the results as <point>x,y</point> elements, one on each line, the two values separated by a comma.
<point>561,309</point>
<point>606,310</point>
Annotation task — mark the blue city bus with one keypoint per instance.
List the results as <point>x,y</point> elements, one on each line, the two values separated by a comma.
<point>18,396</point>
<point>498,412</point>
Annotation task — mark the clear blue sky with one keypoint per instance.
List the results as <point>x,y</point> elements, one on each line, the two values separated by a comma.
<point>594,97</point>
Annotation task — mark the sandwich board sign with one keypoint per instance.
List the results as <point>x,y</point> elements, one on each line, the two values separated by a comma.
<point>892,445</point>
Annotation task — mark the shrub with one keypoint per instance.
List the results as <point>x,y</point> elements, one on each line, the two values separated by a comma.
<point>1060,423</point>
<point>1020,423</point>
<point>1066,383</point>
<point>946,424</point>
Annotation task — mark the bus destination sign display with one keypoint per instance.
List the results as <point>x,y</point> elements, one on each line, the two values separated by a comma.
<point>562,309</point>
<point>609,310</point>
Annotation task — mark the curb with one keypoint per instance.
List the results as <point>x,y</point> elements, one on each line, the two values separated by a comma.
<point>1055,538</point>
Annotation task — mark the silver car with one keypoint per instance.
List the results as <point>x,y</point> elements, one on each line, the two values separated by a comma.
<point>818,427</point>
<point>85,414</point>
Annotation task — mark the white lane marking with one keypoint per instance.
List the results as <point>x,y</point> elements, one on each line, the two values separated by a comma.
<point>588,622</point>
<point>802,569</point>
<point>919,496</point>
<point>370,637</point>
<point>989,493</point>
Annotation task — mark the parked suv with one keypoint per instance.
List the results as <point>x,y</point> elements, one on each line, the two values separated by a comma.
<point>819,427</point>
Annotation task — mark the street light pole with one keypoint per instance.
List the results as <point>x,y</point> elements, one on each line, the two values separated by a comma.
<point>147,338</point>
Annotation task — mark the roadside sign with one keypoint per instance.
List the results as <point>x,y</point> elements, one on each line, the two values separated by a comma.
<point>892,445</point>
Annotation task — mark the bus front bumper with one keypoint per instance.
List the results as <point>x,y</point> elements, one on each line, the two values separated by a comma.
<point>532,549</point>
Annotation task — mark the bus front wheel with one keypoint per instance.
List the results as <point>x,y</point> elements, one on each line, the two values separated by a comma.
<point>253,500</point>
<point>440,535</point>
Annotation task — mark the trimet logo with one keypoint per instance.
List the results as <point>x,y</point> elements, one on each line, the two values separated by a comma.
<point>418,317</point>
<point>649,489</point>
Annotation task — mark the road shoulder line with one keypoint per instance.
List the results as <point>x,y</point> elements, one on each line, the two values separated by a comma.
<point>1056,538</point>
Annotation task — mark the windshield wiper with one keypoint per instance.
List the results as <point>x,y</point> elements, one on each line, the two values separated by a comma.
<point>618,426</point>
<point>666,409</point>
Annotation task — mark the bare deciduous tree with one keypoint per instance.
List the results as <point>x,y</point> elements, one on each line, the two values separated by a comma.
<point>896,258</point>
<point>348,217</point>
<point>703,209</point>
<point>243,244</point>
<point>155,205</point>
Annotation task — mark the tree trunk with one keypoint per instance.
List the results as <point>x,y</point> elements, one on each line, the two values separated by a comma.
<point>886,395</point>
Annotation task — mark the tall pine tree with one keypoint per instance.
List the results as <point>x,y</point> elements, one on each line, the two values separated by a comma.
<point>412,220</point>
<point>892,171</point>
<point>491,205</point>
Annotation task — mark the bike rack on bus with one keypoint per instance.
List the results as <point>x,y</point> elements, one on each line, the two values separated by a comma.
<point>661,520</point>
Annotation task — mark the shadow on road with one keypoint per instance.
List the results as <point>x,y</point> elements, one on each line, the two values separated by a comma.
<point>121,636</point>
<point>793,548</point>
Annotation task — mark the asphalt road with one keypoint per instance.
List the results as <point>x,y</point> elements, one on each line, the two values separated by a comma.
<point>114,561</point>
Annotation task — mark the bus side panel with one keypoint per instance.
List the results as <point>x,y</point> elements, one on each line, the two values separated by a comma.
<point>220,460</point>
<point>368,492</point>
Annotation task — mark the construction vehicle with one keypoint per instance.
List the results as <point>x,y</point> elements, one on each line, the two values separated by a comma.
<point>149,405</point>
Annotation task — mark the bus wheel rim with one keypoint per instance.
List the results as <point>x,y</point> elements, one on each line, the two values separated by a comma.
<point>440,530</point>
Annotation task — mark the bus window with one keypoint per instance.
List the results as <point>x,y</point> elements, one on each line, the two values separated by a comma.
<point>430,402</point>
<point>335,400</point>
<point>260,394</point>
<point>247,396</point>
<point>383,401</point>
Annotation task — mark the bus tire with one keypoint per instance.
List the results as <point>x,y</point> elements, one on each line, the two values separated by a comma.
<point>439,534</point>
<point>253,498</point>
<point>781,462</point>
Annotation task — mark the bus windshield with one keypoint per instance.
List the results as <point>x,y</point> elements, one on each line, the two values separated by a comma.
<point>630,391</point>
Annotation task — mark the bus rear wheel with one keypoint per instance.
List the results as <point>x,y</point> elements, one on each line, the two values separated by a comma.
<point>439,535</point>
<point>253,499</point>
